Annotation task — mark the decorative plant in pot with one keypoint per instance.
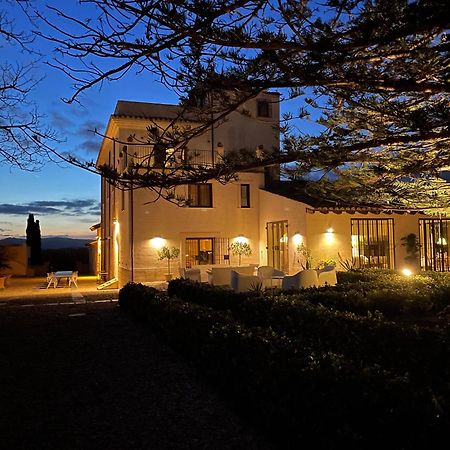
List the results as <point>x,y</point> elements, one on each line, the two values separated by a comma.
<point>169,254</point>
<point>306,254</point>
<point>240,249</point>
<point>412,247</point>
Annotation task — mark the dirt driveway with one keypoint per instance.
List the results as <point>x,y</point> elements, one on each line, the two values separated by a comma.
<point>82,376</point>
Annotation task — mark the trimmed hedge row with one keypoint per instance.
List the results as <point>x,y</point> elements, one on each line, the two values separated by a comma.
<point>369,339</point>
<point>394,294</point>
<point>296,390</point>
<point>391,294</point>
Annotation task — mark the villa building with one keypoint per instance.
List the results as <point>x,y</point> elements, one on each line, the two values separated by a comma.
<point>269,214</point>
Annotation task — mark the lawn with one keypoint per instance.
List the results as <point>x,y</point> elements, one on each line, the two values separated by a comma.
<point>362,364</point>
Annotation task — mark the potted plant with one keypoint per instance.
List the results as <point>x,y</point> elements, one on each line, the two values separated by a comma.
<point>239,249</point>
<point>169,254</point>
<point>306,253</point>
<point>412,247</point>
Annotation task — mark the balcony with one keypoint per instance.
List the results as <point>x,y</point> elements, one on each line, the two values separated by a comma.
<point>150,157</point>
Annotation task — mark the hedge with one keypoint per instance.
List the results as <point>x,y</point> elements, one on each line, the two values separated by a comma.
<point>293,387</point>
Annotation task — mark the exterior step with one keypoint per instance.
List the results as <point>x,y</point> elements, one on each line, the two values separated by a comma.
<point>113,283</point>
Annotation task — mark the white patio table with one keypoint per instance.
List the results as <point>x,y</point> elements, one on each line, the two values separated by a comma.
<point>57,276</point>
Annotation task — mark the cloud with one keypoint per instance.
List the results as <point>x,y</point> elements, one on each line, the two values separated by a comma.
<point>87,128</point>
<point>64,207</point>
<point>59,120</point>
<point>90,146</point>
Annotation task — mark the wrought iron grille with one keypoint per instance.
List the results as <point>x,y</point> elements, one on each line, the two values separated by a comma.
<point>201,251</point>
<point>434,244</point>
<point>373,243</point>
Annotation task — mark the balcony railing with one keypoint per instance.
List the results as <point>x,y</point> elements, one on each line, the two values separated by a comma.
<point>149,157</point>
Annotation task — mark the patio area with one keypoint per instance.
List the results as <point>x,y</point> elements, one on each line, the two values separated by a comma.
<point>35,289</point>
<point>32,290</point>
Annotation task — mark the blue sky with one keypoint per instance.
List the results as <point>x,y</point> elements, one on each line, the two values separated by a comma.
<point>64,198</point>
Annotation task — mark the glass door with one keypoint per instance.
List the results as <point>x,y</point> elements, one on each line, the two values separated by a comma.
<point>277,245</point>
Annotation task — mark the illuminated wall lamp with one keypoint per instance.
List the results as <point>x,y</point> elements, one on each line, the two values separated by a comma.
<point>241,239</point>
<point>297,239</point>
<point>329,236</point>
<point>157,242</point>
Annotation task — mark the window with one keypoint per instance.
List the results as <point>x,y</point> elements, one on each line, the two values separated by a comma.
<point>373,243</point>
<point>245,196</point>
<point>263,108</point>
<point>200,195</point>
<point>201,251</point>
<point>434,244</point>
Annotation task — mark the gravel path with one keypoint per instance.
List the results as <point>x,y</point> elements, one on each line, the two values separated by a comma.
<point>87,376</point>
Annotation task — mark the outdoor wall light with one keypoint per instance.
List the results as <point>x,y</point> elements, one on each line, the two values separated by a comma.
<point>297,239</point>
<point>241,239</point>
<point>157,242</point>
<point>329,236</point>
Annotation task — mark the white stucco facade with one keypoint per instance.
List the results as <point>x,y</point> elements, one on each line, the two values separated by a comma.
<point>272,224</point>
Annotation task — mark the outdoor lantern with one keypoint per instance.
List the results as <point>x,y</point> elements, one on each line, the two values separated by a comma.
<point>329,236</point>
<point>241,239</point>
<point>297,239</point>
<point>157,242</point>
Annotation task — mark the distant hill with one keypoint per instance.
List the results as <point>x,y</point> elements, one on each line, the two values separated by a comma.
<point>49,243</point>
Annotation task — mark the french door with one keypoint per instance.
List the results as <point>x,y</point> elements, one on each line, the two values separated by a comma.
<point>277,245</point>
<point>202,251</point>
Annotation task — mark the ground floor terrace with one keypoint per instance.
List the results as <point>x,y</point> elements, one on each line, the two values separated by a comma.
<point>288,239</point>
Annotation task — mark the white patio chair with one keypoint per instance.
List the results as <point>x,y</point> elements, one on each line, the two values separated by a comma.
<point>303,279</point>
<point>244,283</point>
<point>327,276</point>
<point>74,279</point>
<point>51,279</point>
<point>190,274</point>
<point>265,274</point>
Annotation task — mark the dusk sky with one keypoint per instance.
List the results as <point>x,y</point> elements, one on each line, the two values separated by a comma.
<point>65,199</point>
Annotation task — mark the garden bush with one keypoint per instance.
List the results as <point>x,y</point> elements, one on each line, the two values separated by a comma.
<point>393,295</point>
<point>369,339</point>
<point>276,358</point>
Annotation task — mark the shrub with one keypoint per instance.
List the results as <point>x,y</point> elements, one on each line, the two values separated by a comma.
<point>135,297</point>
<point>291,382</point>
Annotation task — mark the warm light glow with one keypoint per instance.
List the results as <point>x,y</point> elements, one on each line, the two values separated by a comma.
<point>157,242</point>
<point>116,246</point>
<point>407,272</point>
<point>241,239</point>
<point>329,236</point>
<point>297,239</point>
<point>355,246</point>
<point>441,241</point>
